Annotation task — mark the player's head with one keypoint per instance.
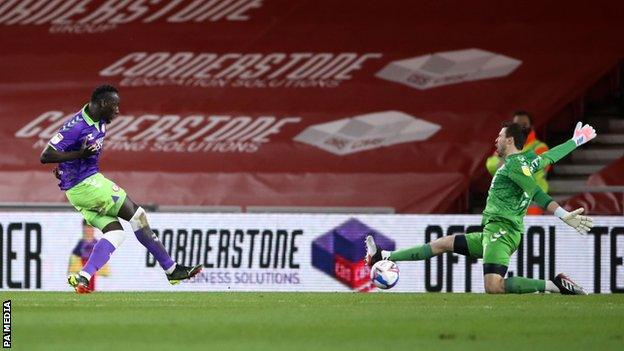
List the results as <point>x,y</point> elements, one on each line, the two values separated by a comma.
<point>104,103</point>
<point>511,138</point>
<point>523,118</point>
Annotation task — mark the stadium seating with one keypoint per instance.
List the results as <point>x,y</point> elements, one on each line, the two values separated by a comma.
<point>604,192</point>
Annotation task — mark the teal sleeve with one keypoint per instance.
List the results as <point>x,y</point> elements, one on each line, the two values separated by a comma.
<point>553,155</point>
<point>541,198</point>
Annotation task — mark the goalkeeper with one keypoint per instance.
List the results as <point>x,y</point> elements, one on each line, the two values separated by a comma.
<point>512,190</point>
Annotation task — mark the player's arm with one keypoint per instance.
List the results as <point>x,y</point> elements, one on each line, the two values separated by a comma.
<point>62,147</point>
<point>539,151</point>
<point>574,219</point>
<point>582,134</point>
<point>521,175</point>
<point>51,155</point>
<point>553,155</point>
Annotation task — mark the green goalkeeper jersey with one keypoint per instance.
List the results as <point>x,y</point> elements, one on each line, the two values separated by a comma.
<point>513,186</point>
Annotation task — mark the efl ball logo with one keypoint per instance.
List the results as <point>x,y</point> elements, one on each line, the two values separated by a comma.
<point>340,253</point>
<point>449,67</point>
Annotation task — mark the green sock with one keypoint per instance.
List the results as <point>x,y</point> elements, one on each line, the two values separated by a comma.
<point>521,285</point>
<point>415,253</point>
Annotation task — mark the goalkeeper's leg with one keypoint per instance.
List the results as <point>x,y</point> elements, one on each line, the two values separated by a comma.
<point>452,243</point>
<point>498,245</point>
<point>495,283</point>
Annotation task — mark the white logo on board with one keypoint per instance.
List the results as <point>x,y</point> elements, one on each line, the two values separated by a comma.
<point>449,67</point>
<point>369,131</point>
<point>237,69</point>
<point>80,16</point>
<point>195,133</point>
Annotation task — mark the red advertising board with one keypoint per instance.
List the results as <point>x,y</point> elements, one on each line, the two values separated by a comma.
<point>268,102</point>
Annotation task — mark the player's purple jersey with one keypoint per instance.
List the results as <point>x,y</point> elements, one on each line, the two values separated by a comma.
<point>78,131</point>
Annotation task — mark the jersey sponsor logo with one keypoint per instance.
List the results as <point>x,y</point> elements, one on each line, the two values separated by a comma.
<point>88,16</point>
<point>237,70</point>
<point>99,142</point>
<point>364,132</point>
<point>448,67</point>
<point>172,133</point>
<point>525,170</point>
<point>56,139</point>
<point>535,163</point>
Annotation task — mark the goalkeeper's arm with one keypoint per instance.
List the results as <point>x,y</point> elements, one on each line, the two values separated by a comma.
<point>574,219</point>
<point>553,155</point>
<point>582,134</point>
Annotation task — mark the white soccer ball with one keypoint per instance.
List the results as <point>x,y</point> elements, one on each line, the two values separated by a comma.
<point>384,274</point>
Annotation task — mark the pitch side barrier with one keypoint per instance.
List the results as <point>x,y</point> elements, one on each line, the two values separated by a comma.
<point>64,206</point>
<point>302,252</point>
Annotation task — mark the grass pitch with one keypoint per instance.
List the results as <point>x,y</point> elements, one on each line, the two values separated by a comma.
<point>314,321</point>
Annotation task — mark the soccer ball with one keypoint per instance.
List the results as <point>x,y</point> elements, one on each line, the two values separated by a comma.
<point>384,274</point>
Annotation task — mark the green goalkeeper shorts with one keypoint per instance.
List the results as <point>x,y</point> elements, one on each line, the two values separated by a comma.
<point>98,199</point>
<point>495,244</point>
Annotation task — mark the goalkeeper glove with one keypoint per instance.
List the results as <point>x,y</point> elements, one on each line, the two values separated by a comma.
<point>574,219</point>
<point>583,133</point>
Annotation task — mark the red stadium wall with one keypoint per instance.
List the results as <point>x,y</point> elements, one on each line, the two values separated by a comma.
<point>278,103</point>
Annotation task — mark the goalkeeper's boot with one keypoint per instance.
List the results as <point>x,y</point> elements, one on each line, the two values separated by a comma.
<point>183,272</point>
<point>567,286</point>
<point>79,283</point>
<point>373,253</point>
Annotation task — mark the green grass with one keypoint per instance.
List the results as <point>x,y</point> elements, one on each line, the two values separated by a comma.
<point>314,321</point>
